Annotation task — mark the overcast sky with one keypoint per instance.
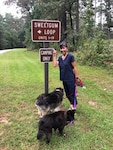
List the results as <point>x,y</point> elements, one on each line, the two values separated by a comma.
<point>8,9</point>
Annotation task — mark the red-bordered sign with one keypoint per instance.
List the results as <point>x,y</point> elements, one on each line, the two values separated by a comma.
<point>45,30</point>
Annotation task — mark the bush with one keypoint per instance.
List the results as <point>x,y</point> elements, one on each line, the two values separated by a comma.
<point>96,52</point>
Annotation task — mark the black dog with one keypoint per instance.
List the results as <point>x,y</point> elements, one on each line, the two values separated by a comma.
<point>57,120</point>
<point>49,102</point>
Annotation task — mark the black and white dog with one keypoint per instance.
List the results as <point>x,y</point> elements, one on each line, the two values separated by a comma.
<point>57,120</point>
<point>49,102</point>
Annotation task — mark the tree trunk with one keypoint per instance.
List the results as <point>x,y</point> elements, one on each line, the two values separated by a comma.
<point>77,23</point>
<point>63,23</point>
<point>109,19</point>
<point>71,23</point>
<point>101,15</point>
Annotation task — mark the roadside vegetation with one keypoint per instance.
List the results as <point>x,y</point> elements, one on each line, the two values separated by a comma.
<point>22,80</point>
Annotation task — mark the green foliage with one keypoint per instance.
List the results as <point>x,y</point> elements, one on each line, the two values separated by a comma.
<point>11,32</point>
<point>96,52</point>
<point>78,19</point>
<point>2,39</point>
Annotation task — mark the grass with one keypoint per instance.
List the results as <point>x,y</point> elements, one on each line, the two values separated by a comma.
<point>22,80</point>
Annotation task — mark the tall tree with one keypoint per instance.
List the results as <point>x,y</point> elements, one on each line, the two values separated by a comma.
<point>88,18</point>
<point>63,23</point>
<point>2,42</point>
<point>77,23</point>
<point>108,16</point>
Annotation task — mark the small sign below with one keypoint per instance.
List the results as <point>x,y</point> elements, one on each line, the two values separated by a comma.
<point>46,55</point>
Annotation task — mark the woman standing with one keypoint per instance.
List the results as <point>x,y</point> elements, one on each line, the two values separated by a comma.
<point>68,72</point>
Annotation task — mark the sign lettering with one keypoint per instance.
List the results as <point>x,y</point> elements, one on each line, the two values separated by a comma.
<point>45,30</point>
<point>46,54</point>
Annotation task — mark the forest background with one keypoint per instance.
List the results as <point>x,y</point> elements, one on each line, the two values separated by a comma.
<point>87,25</point>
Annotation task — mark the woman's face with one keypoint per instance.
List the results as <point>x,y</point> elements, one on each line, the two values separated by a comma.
<point>64,50</point>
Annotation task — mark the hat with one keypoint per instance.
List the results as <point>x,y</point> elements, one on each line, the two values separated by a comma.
<point>63,43</point>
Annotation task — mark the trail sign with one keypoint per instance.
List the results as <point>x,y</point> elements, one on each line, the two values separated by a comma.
<point>45,30</point>
<point>46,54</point>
